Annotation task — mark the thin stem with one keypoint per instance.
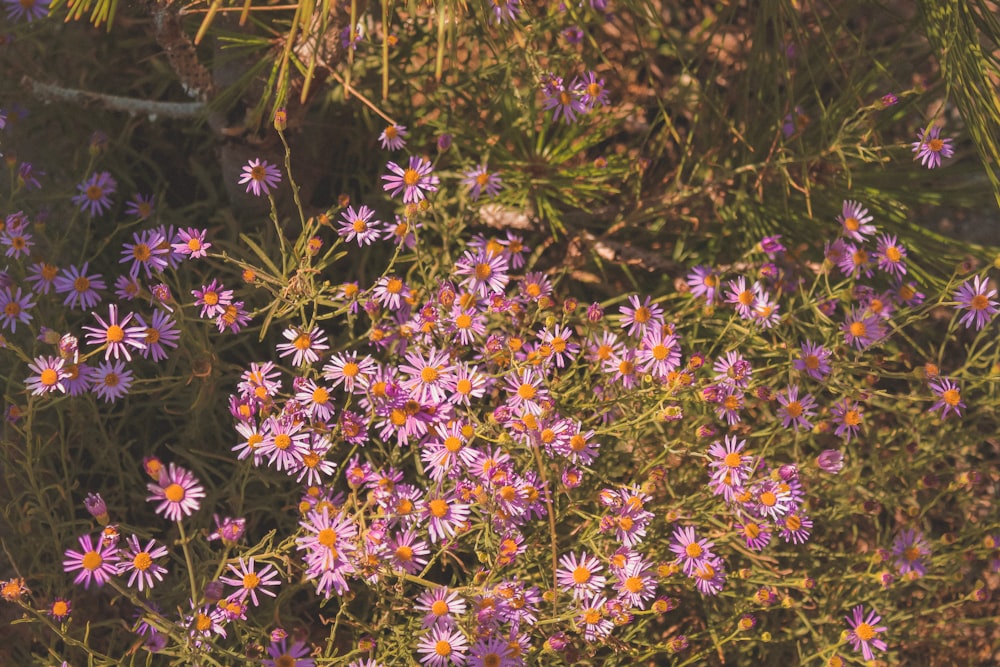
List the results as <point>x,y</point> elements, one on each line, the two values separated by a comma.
<point>552,530</point>
<point>190,564</point>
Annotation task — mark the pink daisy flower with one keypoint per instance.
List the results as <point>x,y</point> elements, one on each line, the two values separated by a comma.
<point>177,491</point>
<point>250,581</point>
<point>864,632</point>
<point>96,562</point>
<point>260,177</point>
<point>414,181</point>
<point>115,335</point>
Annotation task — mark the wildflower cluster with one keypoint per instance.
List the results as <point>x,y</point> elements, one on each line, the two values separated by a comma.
<point>386,431</point>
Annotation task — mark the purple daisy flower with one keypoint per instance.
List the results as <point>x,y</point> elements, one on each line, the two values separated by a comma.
<point>95,193</point>
<point>704,282</point>
<point>116,335</point>
<point>29,10</point>
<point>358,225</point>
<point>97,562</point>
<point>813,360</point>
<point>139,561</point>
<point>855,221</point>
<point>949,397</point>
<point>480,180</point>
<point>177,491</point>
<point>161,330</point>
<point>910,548</point>
<point>413,181</point>
<point>393,137</point>
<point>930,148</point>
<point>80,289</point>
<point>795,411</point>
<point>282,655</point>
<point>864,632</point>
<point>110,380</point>
<point>562,100</point>
<point>260,176</point>
<point>848,417</point>
<point>14,307</point>
<point>976,297</point>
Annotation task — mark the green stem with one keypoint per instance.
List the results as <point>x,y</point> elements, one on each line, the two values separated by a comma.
<point>190,564</point>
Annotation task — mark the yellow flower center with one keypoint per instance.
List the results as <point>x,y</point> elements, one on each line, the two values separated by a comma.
<point>94,192</point>
<point>440,608</point>
<point>951,397</point>
<point>404,553</point>
<point>142,561</point>
<point>979,302</point>
<point>581,574</point>
<point>693,550</point>
<point>793,409</point>
<point>282,441</point>
<point>49,377</point>
<point>141,252</point>
<point>174,493</point>
<point>852,224</point>
<point>483,271</point>
<point>115,334</point>
<point>526,391</point>
<point>864,632</point>
<point>438,507</point>
<point>768,499</point>
<point>442,648</point>
<point>411,177</point>
<point>327,537</point>
<point>302,342</point>
<point>91,560</point>
<point>250,580</point>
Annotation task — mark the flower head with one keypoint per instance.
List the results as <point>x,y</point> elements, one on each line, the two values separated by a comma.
<point>14,307</point>
<point>414,181</point>
<point>116,335</point>
<point>948,395</point>
<point>864,631</point>
<point>260,176</point>
<point>930,148</point>
<point>976,298</point>
<point>29,10</point>
<point>855,223</point>
<point>480,180</point>
<point>96,562</point>
<point>139,561</point>
<point>48,375</point>
<point>95,193</point>
<point>250,581</point>
<point>393,137</point>
<point>909,549</point>
<point>282,655</point>
<point>177,491</point>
